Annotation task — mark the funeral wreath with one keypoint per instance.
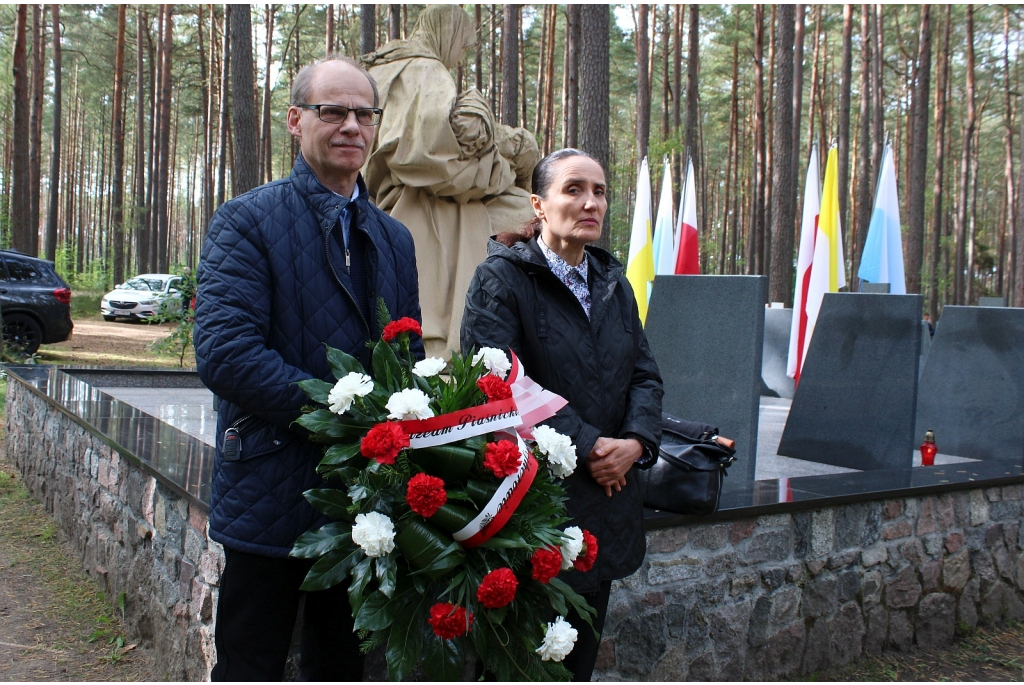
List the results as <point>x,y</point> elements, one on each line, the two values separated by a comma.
<point>450,523</point>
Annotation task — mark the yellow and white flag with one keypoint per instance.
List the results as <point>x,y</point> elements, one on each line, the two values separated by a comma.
<point>828,270</point>
<point>640,265</point>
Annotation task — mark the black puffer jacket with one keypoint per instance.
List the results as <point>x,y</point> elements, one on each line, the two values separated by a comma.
<point>602,365</point>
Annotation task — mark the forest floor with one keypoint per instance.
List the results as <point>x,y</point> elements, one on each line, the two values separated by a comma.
<point>56,625</point>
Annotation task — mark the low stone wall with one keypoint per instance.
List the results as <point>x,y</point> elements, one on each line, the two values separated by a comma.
<point>134,534</point>
<point>786,594</point>
<point>746,598</point>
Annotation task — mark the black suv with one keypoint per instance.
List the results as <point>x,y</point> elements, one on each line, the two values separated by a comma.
<point>35,302</point>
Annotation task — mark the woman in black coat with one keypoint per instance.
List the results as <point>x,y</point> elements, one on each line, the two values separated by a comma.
<point>566,309</point>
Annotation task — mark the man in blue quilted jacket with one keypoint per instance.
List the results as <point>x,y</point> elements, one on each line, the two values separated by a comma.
<point>286,268</point>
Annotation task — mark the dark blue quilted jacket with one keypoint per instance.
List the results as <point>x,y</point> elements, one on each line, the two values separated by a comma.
<point>269,297</point>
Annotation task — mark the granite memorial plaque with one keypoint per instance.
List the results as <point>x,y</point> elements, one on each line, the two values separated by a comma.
<point>706,333</point>
<point>854,405</point>
<point>972,387</point>
<point>777,324</point>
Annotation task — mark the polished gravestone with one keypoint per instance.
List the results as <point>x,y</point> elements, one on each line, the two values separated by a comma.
<point>972,386</point>
<point>854,406</point>
<point>706,333</point>
<point>777,323</point>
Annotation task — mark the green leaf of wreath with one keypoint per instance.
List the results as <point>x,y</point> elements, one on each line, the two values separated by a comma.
<point>316,389</point>
<point>333,502</point>
<point>332,569</point>
<point>443,660</point>
<point>342,363</point>
<point>336,455</point>
<point>386,369</point>
<point>405,641</point>
<point>316,543</point>
<point>376,613</point>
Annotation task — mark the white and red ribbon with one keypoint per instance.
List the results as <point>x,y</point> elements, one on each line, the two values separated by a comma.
<point>462,424</point>
<point>505,501</point>
<point>534,402</point>
<point>530,404</point>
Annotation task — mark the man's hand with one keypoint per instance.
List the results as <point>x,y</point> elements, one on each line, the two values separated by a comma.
<point>610,460</point>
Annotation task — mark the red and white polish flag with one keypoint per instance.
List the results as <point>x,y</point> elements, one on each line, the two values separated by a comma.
<point>688,248</point>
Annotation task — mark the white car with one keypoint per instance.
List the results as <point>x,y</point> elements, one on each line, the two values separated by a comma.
<point>139,297</point>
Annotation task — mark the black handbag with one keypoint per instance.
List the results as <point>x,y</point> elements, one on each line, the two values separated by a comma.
<point>692,462</point>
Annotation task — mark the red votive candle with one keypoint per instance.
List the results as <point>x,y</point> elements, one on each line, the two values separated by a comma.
<point>928,449</point>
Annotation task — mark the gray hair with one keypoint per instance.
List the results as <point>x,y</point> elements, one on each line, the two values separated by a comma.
<point>301,85</point>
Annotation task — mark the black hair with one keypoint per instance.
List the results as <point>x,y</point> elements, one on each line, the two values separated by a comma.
<point>543,176</point>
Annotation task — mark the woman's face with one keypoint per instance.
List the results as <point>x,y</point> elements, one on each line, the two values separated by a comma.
<point>574,208</point>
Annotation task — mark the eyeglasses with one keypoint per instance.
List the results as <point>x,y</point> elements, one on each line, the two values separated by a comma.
<point>336,114</point>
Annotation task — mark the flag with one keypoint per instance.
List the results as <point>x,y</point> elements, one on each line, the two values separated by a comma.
<point>882,259</point>
<point>688,251</point>
<point>808,227</point>
<point>664,240</point>
<point>640,265</point>
<point>828,268</point>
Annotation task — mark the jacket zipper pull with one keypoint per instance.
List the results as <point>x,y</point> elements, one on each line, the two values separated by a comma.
<point>348,260</point>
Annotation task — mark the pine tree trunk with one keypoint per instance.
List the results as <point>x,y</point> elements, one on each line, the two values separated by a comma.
<point>755,245</point>
<point>643,83</point>
<point>725,266</point>
<point>245,172</point>
<point>918,154</point>
<point>594,82</point>
<point>846,81</point>
<point>962,290</point>
<point>329,38</point>
<point>549,80</point>
<point>798,96</point>
<point>510,65</point>
<point>36,120</point>
<point>538,99</point>
<point>117,178</point>
<point>266,147</point>
<point>1008,220</point>
<point>21,211</point>
<point>50,242</point>
<point>692,70</point>
<point>784,187</point>
<point>141,234</point>
<point>367,31</point>
<point>864,163</point>
<point>940,157</point>
<point>225,84</point>
<point>571,114</point>
<point>666,34</point>
<point>394,22</point>
<point>478,64</point>
<point>164,146</point>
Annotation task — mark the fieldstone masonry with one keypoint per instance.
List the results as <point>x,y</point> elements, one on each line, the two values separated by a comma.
<point>785,594</point>
<point>748,598</point>
<point>134,534</point>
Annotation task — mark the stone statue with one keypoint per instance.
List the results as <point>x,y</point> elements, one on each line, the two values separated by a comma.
<point>442,166</point>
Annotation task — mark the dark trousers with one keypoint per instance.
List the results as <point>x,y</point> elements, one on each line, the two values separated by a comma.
<point>583,656</point>
<point>259,600</point>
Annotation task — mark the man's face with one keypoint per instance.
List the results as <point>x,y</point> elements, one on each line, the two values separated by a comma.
<point>335,152</point>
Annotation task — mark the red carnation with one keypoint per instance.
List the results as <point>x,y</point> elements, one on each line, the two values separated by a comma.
<point>498,588</point>
<point>502,458</point>
<point>449,621</point>
<point>495,388</point>
<point>403,325</point>
<point>547,562</point>
<point>585,561</point>
<point>425,494</point>
<point>383,442</point>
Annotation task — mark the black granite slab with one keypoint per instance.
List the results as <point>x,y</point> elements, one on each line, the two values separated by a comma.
<point>707,333</point>
<point>972,385</point>
<point>854,405</point>
<point>775,357</point>
<point>180,461</point>
<point>184,463</point>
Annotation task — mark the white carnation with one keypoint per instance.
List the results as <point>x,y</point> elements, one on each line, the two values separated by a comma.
<point>408,404</point>
<point>429,367</point>
<point>375,533</point>
<point>495,361</point>
<point>572,547</point>
<point>347,389</point>
<point>558,641</point>
<point>557,449</point>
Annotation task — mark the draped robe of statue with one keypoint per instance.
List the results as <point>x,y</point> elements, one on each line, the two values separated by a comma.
<point>443,167</point>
